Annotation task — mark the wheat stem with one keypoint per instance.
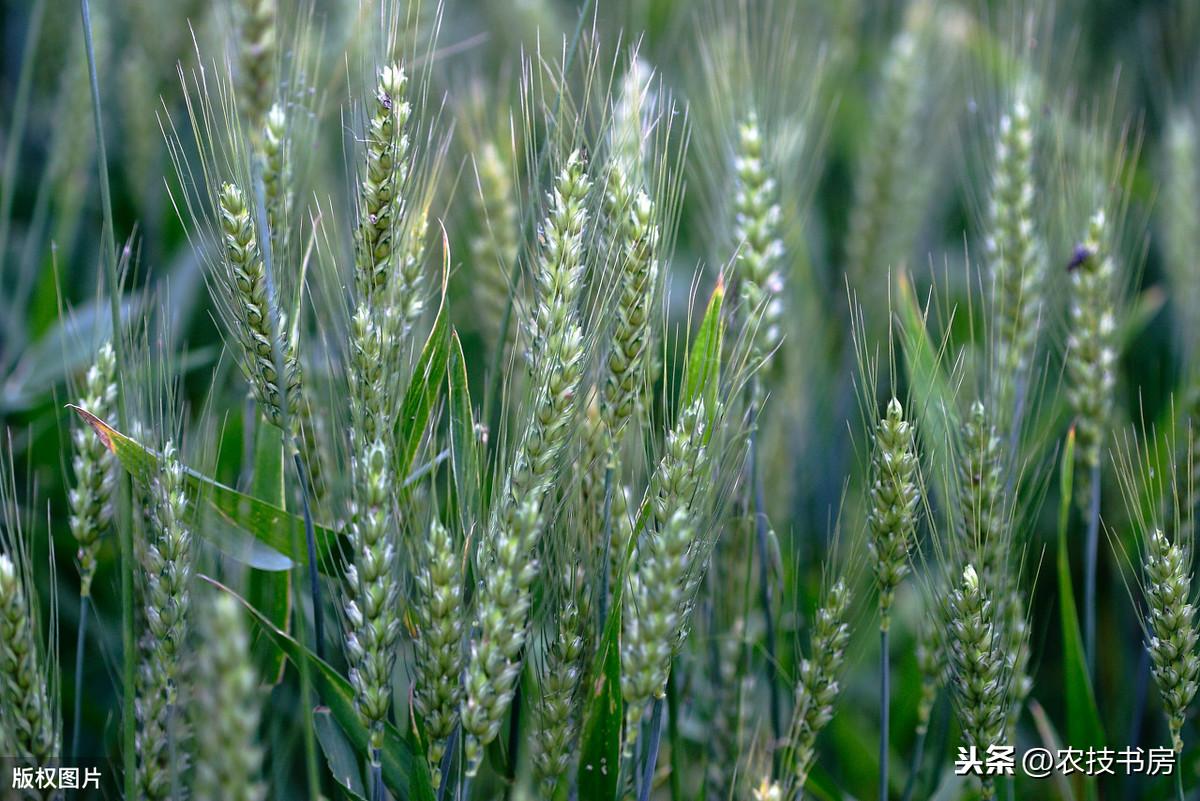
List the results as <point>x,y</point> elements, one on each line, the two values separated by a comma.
<point>125,517</point>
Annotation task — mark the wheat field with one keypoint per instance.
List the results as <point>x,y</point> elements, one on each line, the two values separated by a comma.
<point>599,400</point>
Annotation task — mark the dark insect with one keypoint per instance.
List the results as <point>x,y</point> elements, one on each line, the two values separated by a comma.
<point>1081,254</point>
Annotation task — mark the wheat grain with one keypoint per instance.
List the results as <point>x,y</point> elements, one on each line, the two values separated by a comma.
<point>756,230</point>
<point>373,592</point>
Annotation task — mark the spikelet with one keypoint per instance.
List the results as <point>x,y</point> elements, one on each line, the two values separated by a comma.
<point>1091,346</point>
<point>756,230</point>
<point>1171,632</point>
<point>817,687</point>
<point>91,497</point>
<point>30,731</point>
<point>167,568</point>
<point>439,659</point>
<point>1015,256</point>
<point>226,709</point>
<point>625,372</point>
<point>893,505</point>
<point>258,321</point>
<point>508,565</point>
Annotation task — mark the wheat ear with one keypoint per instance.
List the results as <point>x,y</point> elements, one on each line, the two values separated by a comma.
<point>260,323</point>
<point>894,496</point>
<point>1014,253</point>
<point>167,568</point>
<point>978,667</point>
<point>30,731</point>
<point>227,703</point>
<point>756,230</point>
<point>817,687</point>
<point>508,563</point>
<point>439,657</point>
<point>1171,628</point>
<point>91,499</point>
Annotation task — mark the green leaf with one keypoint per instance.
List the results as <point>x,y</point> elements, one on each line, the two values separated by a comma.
<point>1083,719</point>
<point>704,358</point>
<point>267,523</point>
<point>424,389</point>
<point>464,452</point>
<point>339,754</point>
<point>270,593</point>
<point>404,770</point>
<point>600,759</point>
<point>933,399</point>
